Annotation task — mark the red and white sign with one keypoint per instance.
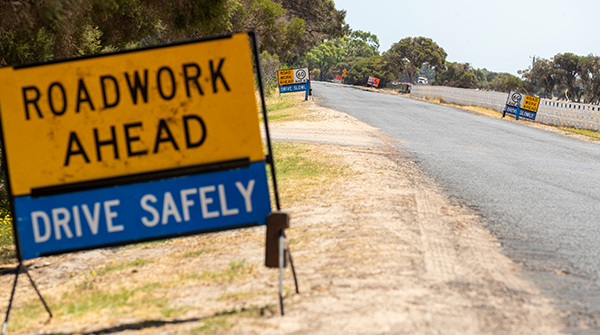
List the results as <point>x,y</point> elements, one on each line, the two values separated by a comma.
<point>376,82</point>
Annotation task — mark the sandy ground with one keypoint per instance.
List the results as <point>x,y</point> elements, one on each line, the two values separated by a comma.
<point>378,251</point>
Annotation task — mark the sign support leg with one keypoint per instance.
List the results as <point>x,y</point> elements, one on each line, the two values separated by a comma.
<point>281,261</point>
<point>22,268</point>
<point>289,253</point>
<point>12,295</point>
<point>37,291</point>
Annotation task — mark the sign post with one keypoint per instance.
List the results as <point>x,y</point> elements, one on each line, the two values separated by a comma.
<point>134,146</point>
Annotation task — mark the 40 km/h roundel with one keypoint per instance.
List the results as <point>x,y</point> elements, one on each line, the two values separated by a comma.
<point>301,75</point>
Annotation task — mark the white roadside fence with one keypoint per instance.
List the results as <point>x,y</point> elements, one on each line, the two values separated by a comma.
<point>555,112</point>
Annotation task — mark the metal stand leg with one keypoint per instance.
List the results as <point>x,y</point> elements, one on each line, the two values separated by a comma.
<point>281,261</point>
<point>37,291</point>
<point>12,295</point>
<point>293,269</point>
<point>21,268</point>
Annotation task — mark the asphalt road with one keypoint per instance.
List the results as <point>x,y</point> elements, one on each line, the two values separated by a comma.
<point>537,191</point>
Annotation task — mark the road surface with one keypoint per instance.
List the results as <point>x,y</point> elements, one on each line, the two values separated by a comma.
<point>539,192</point>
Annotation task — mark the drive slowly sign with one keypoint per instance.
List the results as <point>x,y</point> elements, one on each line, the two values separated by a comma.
<point>292,80</point>
<point>133,146</point>
<point>525,105</point>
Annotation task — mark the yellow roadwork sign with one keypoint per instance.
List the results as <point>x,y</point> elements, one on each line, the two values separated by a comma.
<point>531,103</point>
<point>286,77</point>
<point>129,113</point>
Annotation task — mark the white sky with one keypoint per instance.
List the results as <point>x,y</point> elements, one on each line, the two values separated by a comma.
<point>501,36</point>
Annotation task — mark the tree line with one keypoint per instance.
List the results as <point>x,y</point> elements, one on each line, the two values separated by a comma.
<point>36,31</point>
<point>566,76</point>
<point>292,33</point>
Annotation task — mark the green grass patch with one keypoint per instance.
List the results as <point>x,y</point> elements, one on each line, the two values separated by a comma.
<point>301,167</point>
<point>224,321</point>
<point>199,252</point>
<point>117,267</point>
<point>241,295</point>
<point>300,161</point>
<point>236,270</point>
<point>592,134</point>
<point>77,303</point>
<point>285,107</point>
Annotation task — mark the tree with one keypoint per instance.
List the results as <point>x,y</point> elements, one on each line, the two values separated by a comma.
<point>506,82</point>
<point>277,33</point>
<point>410,53</point>
<point>325,56</point>
<point>33,31</point>
<point>542,74</point>
<point>366,67</point>
<point>362,44</point>
<point>589,72</point>
<point>322,22</point>
<point>567,67</point>
<point>457,75</point>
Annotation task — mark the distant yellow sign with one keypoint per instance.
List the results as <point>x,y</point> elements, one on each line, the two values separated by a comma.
<point>129,113</point>
<point>531,103</point>
<point>286,77</point>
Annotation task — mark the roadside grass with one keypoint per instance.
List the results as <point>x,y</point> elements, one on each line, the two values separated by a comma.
<point>237,270</point>
<point>300,168</point>
<point>592,135</point>
<point>285,107</point>
<point>140,302</point>
<point>197,253</point>
<point>112,268</point>
<point>223,321</point>
<point>481,110</point>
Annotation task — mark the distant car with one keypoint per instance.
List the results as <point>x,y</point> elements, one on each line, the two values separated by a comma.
<point>422,80</point>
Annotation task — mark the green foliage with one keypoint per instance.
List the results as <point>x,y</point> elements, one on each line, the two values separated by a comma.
<point>322,22</point>
<point>567,66</point>
<point>410,53</point>
<point>542,74</point>
<point>325,56</point>
<point>506,82</point>
<point>341,53</point>
<point>589,72</point>
<point>457,75</point>
<point>373,66</point>
<point>269,64</point>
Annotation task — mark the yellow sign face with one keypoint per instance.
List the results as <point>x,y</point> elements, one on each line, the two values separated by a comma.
<point>531,103</point>
<point>286,77</point>
<point>129,113</point>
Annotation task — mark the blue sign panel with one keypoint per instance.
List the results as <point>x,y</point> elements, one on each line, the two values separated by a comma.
<point>523,113</point>
<point>142,211</point>
<point>292,88</point>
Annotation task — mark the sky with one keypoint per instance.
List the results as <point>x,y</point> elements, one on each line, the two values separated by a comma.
<point>501,36</point>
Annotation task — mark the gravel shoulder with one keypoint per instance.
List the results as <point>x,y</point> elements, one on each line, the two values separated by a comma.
<point>378,250</point>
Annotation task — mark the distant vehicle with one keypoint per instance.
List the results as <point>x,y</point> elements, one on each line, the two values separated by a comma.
<point>422,80</point>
